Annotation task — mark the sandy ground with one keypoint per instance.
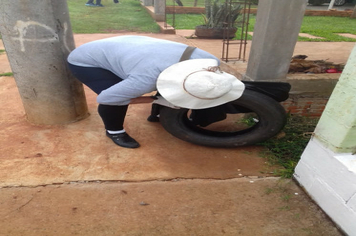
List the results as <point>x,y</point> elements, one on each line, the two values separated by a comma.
<point>72,180</point>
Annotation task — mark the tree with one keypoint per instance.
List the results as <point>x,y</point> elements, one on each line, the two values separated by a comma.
<point>353,15</point>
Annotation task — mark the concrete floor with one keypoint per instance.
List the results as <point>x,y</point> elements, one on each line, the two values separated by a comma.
<point>72,180</point>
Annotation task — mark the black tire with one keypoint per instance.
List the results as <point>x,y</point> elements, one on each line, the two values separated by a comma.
<point>316,2</point>
<point>270,114</point>
<point>339,2</point>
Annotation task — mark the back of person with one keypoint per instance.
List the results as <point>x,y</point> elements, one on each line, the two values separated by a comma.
<point>122,69</point>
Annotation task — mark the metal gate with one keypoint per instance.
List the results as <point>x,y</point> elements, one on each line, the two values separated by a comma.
<point>237,53</point>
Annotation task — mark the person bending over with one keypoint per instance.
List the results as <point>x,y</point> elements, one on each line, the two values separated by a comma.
<point>122,69</point>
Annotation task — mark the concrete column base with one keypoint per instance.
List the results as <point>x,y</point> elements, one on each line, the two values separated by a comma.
<point>330,179</point>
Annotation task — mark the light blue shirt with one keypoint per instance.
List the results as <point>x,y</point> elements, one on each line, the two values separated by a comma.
<point>138,60</point>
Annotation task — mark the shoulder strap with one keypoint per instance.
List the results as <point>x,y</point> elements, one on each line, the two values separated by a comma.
<point>187,53</point>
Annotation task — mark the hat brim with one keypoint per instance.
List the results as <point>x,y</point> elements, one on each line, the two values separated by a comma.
<point>170,85</point>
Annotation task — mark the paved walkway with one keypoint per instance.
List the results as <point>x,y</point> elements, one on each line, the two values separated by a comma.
<point>72,180</point>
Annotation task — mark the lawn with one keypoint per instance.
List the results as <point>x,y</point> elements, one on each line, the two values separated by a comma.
<point>328,27</point>
<point>321,26</point>
<point>128,15</point>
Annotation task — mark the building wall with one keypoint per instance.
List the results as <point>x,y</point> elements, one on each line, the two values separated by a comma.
<point>327,169</point>
<point>310,93</point>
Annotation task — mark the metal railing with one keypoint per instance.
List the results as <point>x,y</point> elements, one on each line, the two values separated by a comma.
<point>227,55</point>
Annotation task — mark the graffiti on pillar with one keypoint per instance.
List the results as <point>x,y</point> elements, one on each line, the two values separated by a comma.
<point>23,28</point>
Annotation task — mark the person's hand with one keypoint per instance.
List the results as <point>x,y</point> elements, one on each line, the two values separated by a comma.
<point>142,99</point>
<point>163,102</point>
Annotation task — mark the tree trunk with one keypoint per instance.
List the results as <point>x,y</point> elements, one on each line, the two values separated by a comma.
<point>38,39</point>
<point>353,15</point>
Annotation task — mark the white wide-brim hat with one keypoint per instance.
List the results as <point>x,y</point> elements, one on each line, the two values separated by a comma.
<point>198,84</point>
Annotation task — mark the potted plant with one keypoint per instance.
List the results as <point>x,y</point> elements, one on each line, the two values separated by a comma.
<point>219,20</point>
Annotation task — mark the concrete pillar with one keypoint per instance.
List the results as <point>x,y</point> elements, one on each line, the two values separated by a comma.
<point>276,32</point>
<point>327,169</point>
<point>160,10</point>
<point>337,126</point>
<point>37,39</point>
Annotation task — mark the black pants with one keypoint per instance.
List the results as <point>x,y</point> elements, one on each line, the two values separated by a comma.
<point>98,2</point>
<point>98,79</point>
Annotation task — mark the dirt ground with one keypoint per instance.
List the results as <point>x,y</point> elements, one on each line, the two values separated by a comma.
<point>240,206</point>
<point>72,180</point>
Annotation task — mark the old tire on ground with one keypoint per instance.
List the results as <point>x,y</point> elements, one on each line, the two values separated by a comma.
<point>269,118</point>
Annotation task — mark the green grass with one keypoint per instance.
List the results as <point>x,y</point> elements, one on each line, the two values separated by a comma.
<point>327,27</point>
<point>128,15</point>
<point>187,3</point>
<point>186,21</point>
<point>7,74</point>
<point>321,26</point>
<point>286,151</point>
